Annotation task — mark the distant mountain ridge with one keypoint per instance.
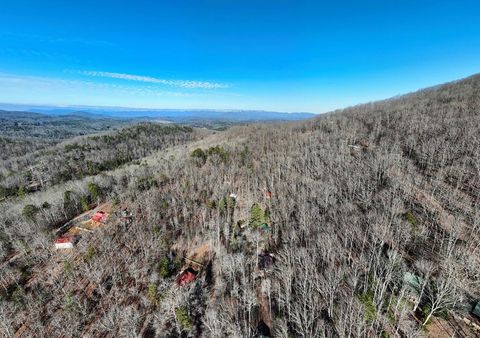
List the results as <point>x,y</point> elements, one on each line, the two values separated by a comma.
<point>172,115</point>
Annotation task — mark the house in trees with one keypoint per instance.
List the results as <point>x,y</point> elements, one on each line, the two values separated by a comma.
<point>66,242</point>
<point>89,221</point>
<point>413,281</point>
<point>186,276</point>
<point>195,262</point>
<point>97,217</point>
<point>476,310</point>
<point>100,216</point>
<point>265,227</point>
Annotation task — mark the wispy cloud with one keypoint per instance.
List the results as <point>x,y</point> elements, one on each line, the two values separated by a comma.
<point>190,84</point>
<point>24,84</point>
<point>16,88</point>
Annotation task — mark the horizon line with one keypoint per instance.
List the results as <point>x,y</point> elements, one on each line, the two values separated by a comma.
<point>54,106</point>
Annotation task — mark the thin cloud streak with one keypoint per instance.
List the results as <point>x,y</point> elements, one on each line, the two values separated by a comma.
<point>189,84</point>
<point>32,82</point>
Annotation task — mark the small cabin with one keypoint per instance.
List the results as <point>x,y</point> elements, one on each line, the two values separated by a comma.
<point>413,281</point>
<point>187,276</point>
<point>99,216</point>
<point>265,227</point>
<point>476,310</point>
<point>66,242</point>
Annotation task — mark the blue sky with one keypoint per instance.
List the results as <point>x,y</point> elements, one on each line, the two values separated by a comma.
<point>232,54</point>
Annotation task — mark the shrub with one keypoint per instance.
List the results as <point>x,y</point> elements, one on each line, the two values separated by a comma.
<point>164,267</point>
<point>146,183</point>
<point>25,271</point>
<point>164,204</point>
<point>177,263</point>
<point>156,231</point>
<point>222,205</point>
<point>231,202</point>
<point>89,254</point>
<point>410,218</point>
<point>370,310</point>
<point>425,310</point>
<point>3,192</point>
<point>67,267</point>
<point>183,318</point>
<point>115,201</point>
<point>21,192</point>
<point>211,204</point>
<point>227,203</point>
<point>84,203</point>
<point>94,191</point>
<point>152,294</point>
<point>257,216</point>
<point>244,155</point>
<point>30,212</point>
<point>218,154</point>
<point>200,156</point>
<point>18,297</point>
<point>68,202</point>
<point>70,305</point>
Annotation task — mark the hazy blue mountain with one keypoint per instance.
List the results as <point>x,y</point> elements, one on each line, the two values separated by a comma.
<point>172,115</point>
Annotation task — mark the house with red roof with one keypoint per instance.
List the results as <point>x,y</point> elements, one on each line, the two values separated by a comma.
<point>66,242</point>
<point>99,216</point>
<point>187,276</point>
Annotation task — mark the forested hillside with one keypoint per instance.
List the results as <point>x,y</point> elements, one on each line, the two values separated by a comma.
<point>359,223</point>
<point>24,132</point>
<point>19,124</point>
<point>86,156</point>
